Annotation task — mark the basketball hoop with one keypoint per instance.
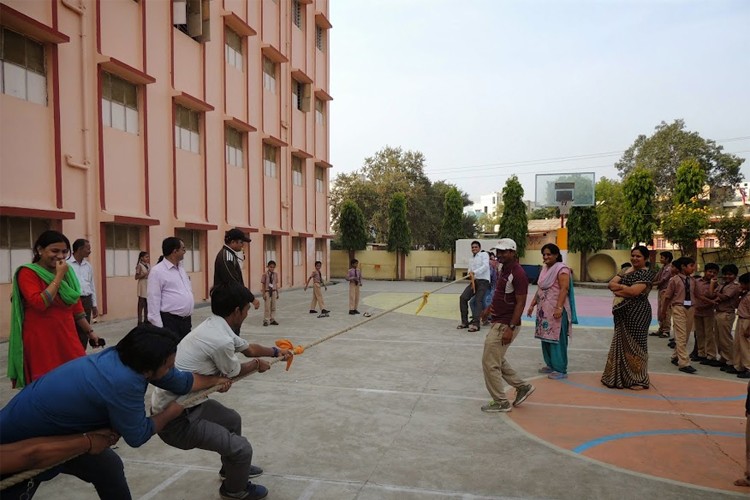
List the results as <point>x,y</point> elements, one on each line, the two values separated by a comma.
<point>564,207</point>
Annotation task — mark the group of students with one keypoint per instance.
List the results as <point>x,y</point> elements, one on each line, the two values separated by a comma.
<point>708,306</point>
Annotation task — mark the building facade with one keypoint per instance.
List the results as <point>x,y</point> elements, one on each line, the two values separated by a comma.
<point>127,121</point>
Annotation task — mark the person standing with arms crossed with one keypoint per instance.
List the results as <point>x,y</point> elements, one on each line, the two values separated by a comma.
<point>270,286</point>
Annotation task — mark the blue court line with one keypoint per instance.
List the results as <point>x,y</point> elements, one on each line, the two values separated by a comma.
<point>630,394</point>
<point>666,432</point>
<point>602,321</point>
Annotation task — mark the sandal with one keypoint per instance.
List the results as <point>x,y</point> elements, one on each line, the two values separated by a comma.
<point>461,326</point>
<point>745,481</point>
<point>473,328</point>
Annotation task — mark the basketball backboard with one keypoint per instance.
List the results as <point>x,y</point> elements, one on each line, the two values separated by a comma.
<point>572,189</point>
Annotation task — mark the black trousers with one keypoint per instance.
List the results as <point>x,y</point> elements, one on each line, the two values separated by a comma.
<point>88,305</point>
<point>178,324</point>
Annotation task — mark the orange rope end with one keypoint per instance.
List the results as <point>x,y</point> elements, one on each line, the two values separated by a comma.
<point>287,344</point>
<point>424,301</point>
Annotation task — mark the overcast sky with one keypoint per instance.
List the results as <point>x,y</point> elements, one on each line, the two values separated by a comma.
<point>489,88</point>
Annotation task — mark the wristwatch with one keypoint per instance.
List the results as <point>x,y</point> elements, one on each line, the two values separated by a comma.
<point>512,327</point>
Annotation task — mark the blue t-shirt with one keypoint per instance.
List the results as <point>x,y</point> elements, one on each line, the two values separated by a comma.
<point>87,393</point>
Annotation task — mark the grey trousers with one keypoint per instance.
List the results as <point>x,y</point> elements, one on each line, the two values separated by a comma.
<point>212,426</point>
<point>463,301</point>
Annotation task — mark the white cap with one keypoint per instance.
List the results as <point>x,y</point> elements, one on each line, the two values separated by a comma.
<point>505,244</point>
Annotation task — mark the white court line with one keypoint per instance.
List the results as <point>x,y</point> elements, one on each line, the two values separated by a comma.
<point>154,493</point>
<point>311,489</point>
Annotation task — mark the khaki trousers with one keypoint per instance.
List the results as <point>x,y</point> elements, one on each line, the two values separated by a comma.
<point>682,321</point>
<point>724,341</point>
<point>705,336</point>
<point>353,296</point>
<point>317,297</point>
<point>269,306</point>
<point>496,368</point>
<point>666,325</point>
<point>742,345</point>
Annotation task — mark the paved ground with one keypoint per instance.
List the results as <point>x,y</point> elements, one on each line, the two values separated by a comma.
<point>390,410</point>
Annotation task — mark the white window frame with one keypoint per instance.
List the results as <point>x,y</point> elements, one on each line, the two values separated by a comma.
<point>120,104</point>
<point>297,251</point>
<point>193,250</point>
<point>270,160</point>
<point>234,53</point>
<point>320,245</point>
<point>17,237</point>
<point>269,248</point>
<point>298,169</point>
<point>121,249</point>
<point>187,135</point>
<point>320,111</point>
<point>269,75</point>
<point>234,147</point>
<point>23,75</point>
<point>320,177</point>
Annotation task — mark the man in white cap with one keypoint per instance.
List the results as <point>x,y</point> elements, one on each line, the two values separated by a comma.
<point>479,270</point>
<point>507,307</point>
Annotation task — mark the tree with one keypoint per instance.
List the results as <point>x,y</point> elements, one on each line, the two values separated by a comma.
<point>638,220</point>
<point>684,224</point>
<point>451,229</point>
<point>733,232</point>
<point>689,181</point>
<point>351,228</point>
<point>399,234</point>
<point>584,234</point>
<point>469,226</point>
<point>609,208</point>
<point>513,223</point>
<point>544,213</point>
<point>670,144</point>
<point>435,213</point>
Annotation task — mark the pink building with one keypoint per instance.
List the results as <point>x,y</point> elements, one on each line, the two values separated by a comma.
<point>127,121</point>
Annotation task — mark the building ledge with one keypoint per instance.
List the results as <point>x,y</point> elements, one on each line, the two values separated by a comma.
<point>36,213</point>
<point>24,24</point>
<point>322,21</point>
<point>323,95</point>
<point>273,53</point>
<point>125,71</point>
<point>132,220</point>
<point>238,25</point>
<point>191,102</point>
<point>239,124</point>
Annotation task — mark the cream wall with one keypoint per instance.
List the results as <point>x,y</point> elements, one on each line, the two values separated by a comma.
<point>111,176</point>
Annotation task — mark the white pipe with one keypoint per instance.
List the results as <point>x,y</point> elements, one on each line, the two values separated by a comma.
<point>83,166</point>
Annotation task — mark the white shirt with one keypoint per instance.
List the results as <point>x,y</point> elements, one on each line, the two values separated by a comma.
<point>210,349</point>
<point>169,290</point>
<point>480,266</point>
<point>85,274</point>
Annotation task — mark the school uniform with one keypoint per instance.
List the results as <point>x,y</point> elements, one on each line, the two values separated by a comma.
<point>728,296</point>
<point>678,296</point>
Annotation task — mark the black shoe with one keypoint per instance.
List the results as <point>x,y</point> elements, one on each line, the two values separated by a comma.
<point>313,311</point>
<point>265,323</point>
<point>251,492</point>
<point>254,472</point>
<point>731,370</point>
<point>357,312</point>
<point>715,363</point>
<point>673,361</point>
<point>324,311</point>
<point>671,344</point>
<point>724,368</point>
<point>706,361</point>
<point>694,357</point>
<point>352,311</point>
<point>744,374</point>
<point>273,322</point>
<point>688,369</point>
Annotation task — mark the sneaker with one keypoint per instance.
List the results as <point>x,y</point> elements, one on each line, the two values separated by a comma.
<point>313,311</point>
<point>545,369</point>
<point>265,323</point>
<point>497,407</point>
<point>255,471</point>
<point>557,375</point>
<point>273,322</point>
<point>522,393</point>
<point>251,492</point>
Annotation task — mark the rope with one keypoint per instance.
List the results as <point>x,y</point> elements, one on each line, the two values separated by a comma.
<point>23,476</point>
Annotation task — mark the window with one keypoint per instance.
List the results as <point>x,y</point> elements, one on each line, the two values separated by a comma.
<point>233,142</point>
<point>298,178</point>
<point>187,130</point>
<point>319,179</point>
<point>233,48</point>
<point>17,237</point>
<point>193,17</point>
<point>320,247</point>
<point>22,73</point>
<point>709,243</point>
<point>119,104</point>
<point>300,96</point>
<point>320,39</point>
<point>297,245</point>
<point>269,248</point>
<point>320,112</point>
<point>660,243</point>
<point>269,75</point>
<point>191,238</point>
<point>298,14</point>
<point>269,160</point>
<point>123,243</point>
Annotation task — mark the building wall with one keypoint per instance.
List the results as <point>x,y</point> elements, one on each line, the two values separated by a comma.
<point>68,162</point>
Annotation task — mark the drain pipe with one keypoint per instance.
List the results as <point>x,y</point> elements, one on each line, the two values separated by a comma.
<point>84,165</point>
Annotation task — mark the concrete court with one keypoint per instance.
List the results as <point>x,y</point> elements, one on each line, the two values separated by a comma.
<point>390,410</point>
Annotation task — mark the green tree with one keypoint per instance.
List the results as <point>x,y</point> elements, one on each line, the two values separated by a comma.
<point>689,181</point>
<point>610,208</point>
<point>351,228</point>
<point>684,224</point>
<point>670,144</point>
<point>399,234</point>
<point>733,232</point>
<point>451,229</point>
<point>638,219</point>
<point>469,226</point>
<point>544,213</point>
<point>584,234</point>
<point>435,215</point>
<point>513,222</point>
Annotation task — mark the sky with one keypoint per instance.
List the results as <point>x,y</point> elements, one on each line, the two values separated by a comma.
<point>490,88</point>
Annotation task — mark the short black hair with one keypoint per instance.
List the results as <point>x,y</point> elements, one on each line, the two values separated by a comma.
<point>642,250</point>
<point>711,265</point>
<point>475,242</point>
<point>682,262</point>
<point>169,245</point>
<point>554,250</point>
<point>227,297</point>
<point>47,238</point>
<point>271,262</point>
<point>730,269</point>
<point>79,243</point>
<point>318,262</point>
<point>353,261</point>
<point>745,278</point>
<point>146,347</point>
<point>667,255</point>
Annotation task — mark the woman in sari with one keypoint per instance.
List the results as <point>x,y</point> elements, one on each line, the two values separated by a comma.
<point>555,312</point>
<point>627,362</point>
<point>45,308</point>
